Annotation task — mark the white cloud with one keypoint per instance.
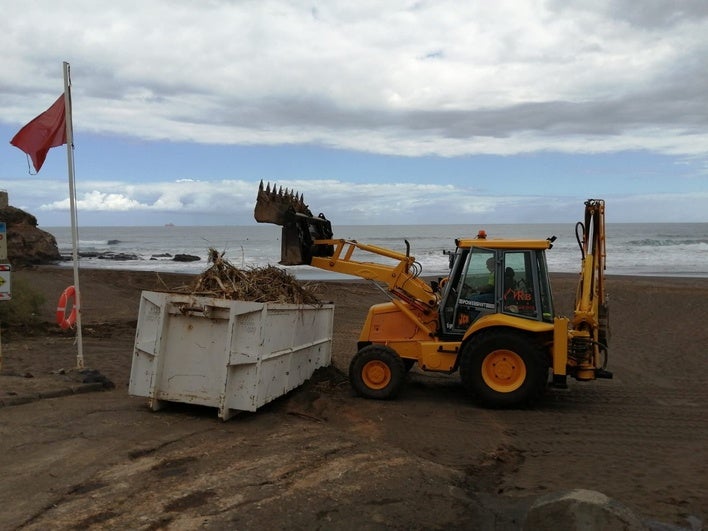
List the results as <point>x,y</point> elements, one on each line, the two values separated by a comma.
<point>231,202</point>
<point>400,77</point>
<point>97,201</point>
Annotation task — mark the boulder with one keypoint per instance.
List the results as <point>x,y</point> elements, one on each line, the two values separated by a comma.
<point>580,510</point>
<point>27,245</point>
<point>118,256</point>
<point>185,258</point>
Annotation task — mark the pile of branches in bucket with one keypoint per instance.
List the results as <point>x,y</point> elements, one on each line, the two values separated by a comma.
<point>259,284</point>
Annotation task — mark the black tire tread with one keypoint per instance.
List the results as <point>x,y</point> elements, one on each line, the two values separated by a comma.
<point>526,346</point>
<point>388,356</point>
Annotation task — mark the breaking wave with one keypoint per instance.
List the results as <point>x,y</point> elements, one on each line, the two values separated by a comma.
<point>651,242</point>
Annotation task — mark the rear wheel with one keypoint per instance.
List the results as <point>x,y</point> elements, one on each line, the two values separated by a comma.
<point>377,372</point>
<point>504,368</point>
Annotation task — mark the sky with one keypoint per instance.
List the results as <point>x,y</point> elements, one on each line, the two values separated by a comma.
<point>396,112</point>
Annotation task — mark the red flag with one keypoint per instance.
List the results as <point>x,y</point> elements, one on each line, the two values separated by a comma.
<point>46,131</point>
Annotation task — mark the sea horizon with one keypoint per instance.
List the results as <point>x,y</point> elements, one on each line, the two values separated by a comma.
<point>647,249</point>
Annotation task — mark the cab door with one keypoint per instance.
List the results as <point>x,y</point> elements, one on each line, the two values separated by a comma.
<point>471,292</point>
<point>525,285</point>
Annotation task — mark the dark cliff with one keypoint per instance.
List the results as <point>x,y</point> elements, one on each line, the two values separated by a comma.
<point>27,245</point>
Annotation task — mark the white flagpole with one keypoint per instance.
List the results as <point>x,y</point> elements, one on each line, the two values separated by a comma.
<point>74,218</point>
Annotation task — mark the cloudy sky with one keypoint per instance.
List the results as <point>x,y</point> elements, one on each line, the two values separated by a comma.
<point>379,112</point>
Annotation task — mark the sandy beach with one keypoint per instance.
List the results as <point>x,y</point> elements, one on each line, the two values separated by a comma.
<point>322,458</point>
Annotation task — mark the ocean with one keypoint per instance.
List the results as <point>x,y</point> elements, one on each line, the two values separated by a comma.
<point>656,249</point>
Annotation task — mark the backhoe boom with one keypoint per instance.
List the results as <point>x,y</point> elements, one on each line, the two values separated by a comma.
<point>589,334</point>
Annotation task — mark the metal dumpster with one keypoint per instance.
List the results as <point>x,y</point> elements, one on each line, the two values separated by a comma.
<point>232,355</point>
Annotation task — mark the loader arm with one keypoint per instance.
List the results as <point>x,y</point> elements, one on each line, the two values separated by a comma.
<point>401,278</point>
<point>307,239</point>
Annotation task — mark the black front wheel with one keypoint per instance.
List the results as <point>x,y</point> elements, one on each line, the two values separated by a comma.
<point>504,368</point>
<point>377,372</point>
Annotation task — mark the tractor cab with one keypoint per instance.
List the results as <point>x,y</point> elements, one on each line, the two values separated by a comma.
<point>495,277</point>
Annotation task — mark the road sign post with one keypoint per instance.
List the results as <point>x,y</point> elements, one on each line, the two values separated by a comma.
<point>5,290</point>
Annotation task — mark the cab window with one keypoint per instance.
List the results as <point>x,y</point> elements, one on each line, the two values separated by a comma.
<point>479,280</point>
<point>518,293</point>
<point>470,292</point>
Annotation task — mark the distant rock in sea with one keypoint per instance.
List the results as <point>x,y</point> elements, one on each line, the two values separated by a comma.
<point>186,258</point>
<point>121,257</point>
<point>118,256</point>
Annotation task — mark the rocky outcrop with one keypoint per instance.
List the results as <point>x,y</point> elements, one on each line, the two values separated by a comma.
<point>186,258</point>
<point>27,245</point>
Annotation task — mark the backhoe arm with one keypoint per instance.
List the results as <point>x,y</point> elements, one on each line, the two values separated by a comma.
<point>591,294</point>
<point>589,334</point>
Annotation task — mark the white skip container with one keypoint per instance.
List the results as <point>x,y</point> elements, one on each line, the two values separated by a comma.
<point>232,355</point>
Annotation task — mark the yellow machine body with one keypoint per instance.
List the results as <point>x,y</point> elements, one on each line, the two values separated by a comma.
<point>502,335</point>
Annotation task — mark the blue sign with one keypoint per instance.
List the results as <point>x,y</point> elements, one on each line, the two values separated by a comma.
<point>3,241</point>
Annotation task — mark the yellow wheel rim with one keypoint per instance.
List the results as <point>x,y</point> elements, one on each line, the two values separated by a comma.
<point>503,371</point>
<point>376,374</point>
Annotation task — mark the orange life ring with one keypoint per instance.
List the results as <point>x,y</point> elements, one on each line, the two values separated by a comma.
<point>62,319</point>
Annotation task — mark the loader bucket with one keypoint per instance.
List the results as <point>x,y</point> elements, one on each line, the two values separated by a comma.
<point>278,206</point>
<point>300,228</point>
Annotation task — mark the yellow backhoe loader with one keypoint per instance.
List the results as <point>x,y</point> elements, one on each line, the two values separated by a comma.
<point>492,318</point>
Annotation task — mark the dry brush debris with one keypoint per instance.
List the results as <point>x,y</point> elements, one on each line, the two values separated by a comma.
<point>259,284</point>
